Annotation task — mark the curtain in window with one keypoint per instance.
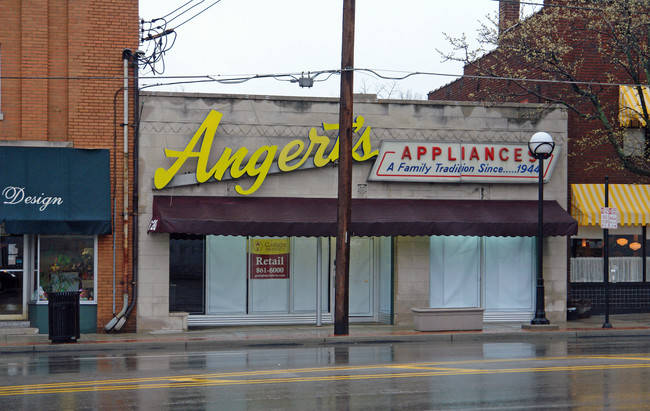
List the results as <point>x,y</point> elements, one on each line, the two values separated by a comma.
<point>455,272</point>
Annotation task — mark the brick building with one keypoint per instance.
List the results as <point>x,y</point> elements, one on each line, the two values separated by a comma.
<point>62,156</point>
<point>592,156</point>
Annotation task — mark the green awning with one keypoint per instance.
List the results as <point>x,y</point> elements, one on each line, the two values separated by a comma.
<point>46,190</point>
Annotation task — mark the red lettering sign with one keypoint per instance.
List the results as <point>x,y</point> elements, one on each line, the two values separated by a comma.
<point>435,151</point>
<point>502,156</point>
<point>421,151</point>
<point>489,153</point>
<point>450,156</point>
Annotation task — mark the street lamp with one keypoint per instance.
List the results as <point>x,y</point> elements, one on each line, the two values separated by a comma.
<point>541,147</point>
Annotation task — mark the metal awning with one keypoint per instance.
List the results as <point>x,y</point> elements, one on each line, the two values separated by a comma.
<point>316,217</point>
<point>47,190</point>
<point>631,200</point>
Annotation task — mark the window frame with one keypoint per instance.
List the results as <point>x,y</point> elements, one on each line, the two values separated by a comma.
<point>38,267</point>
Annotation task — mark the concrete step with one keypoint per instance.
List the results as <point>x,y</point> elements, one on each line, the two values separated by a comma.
<point>16,328</point>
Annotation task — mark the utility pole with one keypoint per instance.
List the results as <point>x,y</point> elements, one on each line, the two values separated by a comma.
<point>344,205</point>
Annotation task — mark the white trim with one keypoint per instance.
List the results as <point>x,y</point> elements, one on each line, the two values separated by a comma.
<point>507,316</point>
<point>279,319</point>
<point>36,143</point>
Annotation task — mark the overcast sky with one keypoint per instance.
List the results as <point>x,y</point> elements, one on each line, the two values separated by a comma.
<point>248,37</point>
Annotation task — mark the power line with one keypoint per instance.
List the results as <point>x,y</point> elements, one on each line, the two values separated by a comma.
<point>294,77</point>
<point>164,37</point>
<point>198,14</point>
<point>169,14</point>
<point>196,5</point>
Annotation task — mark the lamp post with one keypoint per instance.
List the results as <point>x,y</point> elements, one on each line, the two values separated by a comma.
<point>541,147</point>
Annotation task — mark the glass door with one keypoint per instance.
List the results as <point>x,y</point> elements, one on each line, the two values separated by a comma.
<point>362,275</point>
<point>12,277</point>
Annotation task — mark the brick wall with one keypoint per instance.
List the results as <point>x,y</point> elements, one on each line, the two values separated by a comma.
<point>61,62</point>
<point>586,164</point>
<point>508,14</point>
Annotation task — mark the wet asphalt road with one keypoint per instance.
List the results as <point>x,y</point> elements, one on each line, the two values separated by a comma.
<point>591,373</point>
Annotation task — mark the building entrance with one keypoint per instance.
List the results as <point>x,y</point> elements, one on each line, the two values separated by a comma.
<point>12,278</point>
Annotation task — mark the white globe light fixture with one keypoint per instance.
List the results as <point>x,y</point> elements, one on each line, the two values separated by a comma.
<point>541,146</point>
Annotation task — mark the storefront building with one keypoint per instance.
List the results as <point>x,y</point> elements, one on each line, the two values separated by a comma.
<point>592,155</point>
<point>627,242</point>
<point>54,207</point>
<point>66,131</point>
<point>237,206</point>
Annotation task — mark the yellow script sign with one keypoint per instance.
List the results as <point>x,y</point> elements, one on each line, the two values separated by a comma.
<point>291,157</point>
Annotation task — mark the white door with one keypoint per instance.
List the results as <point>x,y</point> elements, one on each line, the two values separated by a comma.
<point>362,285</point>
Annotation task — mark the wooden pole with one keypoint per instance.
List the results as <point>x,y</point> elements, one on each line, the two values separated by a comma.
<point>344,209</point>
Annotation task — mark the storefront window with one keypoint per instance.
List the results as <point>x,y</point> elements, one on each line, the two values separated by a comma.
<point>11,274</point>
<point>257,275</point>
<point>11,252</point>
<point>186,273</point>
<point>66,263</point>
<point>625,259</point>
<point>275,276</point>
<point>495,273</point>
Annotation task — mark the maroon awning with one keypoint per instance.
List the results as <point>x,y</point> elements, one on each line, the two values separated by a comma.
<point>316,217</point>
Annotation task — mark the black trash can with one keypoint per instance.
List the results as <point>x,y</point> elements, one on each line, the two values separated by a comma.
<point>63,317</point>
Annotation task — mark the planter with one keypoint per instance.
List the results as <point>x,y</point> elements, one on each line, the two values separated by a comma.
<point>39,317</point>
<point>447,319</point>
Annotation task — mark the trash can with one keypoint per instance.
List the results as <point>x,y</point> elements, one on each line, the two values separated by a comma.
<point>63,317</point>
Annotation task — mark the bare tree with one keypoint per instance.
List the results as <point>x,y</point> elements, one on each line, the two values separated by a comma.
<point>574,53</point>
<point>388,90</point>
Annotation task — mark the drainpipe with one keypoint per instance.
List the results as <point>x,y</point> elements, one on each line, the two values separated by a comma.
<point>136,136</point>
<point>120,318</point>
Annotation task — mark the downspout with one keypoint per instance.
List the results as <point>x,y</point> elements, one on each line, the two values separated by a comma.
<point>120,318</point>
<point>136,135</point>
<point>114,193</point>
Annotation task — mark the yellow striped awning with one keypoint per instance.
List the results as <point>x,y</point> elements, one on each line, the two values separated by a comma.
<point>631,200</point>
<point>630,111</point>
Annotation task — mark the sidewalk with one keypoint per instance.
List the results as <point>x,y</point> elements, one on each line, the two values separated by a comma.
<point>624,325</point>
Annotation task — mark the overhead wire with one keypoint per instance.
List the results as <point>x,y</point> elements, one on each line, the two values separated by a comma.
<point>164,37</point>
<point>169,14</point>
<point>196,5</point>
<point>241,78</point>
<point>198,14</point>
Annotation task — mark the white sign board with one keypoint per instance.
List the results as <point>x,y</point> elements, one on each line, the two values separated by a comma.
<point>609,218</point>
<point>420,161</point>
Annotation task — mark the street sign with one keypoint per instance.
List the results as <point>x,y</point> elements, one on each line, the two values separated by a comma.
<point>609,218</point>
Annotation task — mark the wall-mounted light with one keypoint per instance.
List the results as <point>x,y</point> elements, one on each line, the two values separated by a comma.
<point>635,246</point>
<point>621,241</point>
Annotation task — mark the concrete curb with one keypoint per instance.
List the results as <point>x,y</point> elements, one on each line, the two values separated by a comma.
<point>199,343</point>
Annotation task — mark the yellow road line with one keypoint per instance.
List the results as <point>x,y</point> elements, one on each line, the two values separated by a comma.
<point>428,370</point>
<point>439,369</point>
